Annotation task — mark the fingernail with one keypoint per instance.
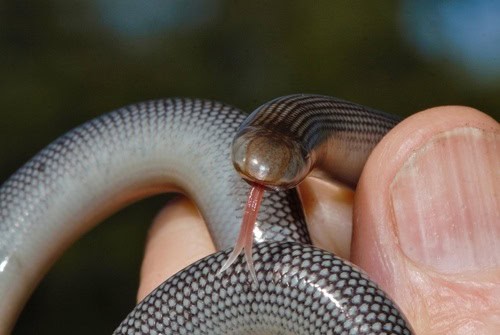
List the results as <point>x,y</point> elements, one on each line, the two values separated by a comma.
<point>446,201</point>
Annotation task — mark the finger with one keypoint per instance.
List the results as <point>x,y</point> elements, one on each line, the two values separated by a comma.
<point>328,211</point>
<point>427,220</point>
<point>177,238</point>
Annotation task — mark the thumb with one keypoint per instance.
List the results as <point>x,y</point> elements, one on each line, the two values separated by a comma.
<point>427,220</point>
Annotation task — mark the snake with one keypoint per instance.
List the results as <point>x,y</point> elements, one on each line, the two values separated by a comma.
<point>203,148</point>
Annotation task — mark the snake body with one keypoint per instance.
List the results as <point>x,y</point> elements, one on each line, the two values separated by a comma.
<point>183,145</point>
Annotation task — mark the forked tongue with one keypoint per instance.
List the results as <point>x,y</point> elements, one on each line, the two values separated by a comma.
<point>245,238</point>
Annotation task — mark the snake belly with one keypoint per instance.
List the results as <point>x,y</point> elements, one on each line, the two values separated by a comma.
<point>182,145</point>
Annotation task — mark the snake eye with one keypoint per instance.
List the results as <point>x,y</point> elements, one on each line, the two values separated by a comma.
<point>269,158</point>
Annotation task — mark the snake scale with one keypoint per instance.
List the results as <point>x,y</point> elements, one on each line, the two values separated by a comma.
<point>184,145</point>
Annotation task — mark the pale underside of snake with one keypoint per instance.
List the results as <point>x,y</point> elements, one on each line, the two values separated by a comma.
<point>184,145</point>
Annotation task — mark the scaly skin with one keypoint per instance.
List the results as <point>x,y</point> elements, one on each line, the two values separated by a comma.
<point>181,145</point>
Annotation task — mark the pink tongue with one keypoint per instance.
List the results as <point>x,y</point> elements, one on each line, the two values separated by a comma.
<point>252,209</point>
<point>245,238</point>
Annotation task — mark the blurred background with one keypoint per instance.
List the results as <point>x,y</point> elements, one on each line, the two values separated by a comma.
<point>64,62</point>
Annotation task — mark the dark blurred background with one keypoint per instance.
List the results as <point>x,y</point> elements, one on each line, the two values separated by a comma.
<point>64,62</point>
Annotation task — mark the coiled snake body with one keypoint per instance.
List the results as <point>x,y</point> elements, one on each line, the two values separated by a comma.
<point>184,145</point>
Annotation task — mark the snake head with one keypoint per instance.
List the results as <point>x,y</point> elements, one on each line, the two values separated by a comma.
<point>269,158</point>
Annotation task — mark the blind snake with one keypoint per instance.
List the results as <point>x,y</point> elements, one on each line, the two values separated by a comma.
<point>184,145</point>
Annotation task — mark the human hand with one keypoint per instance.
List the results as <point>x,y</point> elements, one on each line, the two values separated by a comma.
<point>426,223</point>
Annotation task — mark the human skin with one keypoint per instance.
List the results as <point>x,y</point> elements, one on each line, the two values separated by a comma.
<point>424,222</point>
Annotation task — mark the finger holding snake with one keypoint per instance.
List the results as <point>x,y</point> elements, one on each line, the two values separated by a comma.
<point>435,303</point>
<point>151,147</point>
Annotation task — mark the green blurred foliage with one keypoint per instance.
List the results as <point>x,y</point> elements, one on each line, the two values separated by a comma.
<point>62,64</point>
